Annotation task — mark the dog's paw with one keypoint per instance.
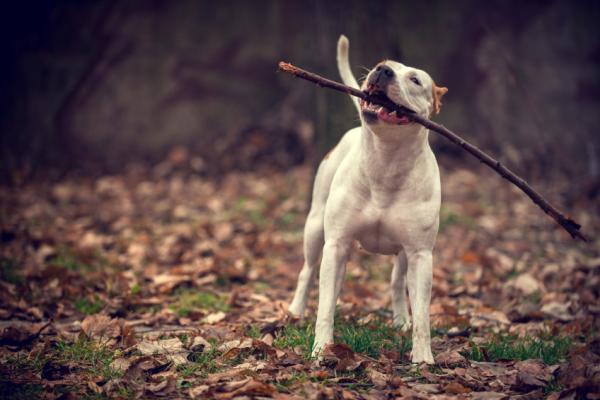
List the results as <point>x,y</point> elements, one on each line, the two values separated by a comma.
<point>318,347</point>
<point>317,353</point>
<point>403,324</point>
<point>422,355</point>
<point>427,360</point>
<point>296,310</point>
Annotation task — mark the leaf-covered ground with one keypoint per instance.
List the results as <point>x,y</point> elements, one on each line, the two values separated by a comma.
<point>160,283</point>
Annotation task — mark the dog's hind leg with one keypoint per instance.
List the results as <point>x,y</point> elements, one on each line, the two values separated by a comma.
<point>399,295</point>
<point>313,244</point>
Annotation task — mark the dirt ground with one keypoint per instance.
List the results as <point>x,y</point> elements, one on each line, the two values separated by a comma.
<point>158,282</point>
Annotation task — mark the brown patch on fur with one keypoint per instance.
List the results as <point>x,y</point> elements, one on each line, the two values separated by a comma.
<point>438,92</point>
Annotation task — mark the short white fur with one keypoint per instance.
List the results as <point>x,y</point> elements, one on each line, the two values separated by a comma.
<point>379,186</point>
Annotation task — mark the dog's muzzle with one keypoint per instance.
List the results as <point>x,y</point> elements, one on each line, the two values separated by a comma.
<point>380,78</point>
<point>377,83</point>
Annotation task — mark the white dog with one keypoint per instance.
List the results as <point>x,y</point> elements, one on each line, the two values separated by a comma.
<point>380,186</point>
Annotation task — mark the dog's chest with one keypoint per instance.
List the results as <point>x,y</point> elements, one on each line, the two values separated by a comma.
<point>386,230</point>
<point>379,231</point>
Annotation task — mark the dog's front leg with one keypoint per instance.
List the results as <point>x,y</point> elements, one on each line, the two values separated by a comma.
<point>419,288</point>
<point>399,296</point>
<point>335,255</point>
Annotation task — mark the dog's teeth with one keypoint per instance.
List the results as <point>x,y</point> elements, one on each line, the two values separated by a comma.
<point>393,114</point>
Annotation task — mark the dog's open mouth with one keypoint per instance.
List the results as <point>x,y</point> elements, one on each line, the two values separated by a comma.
<point>373,111</point>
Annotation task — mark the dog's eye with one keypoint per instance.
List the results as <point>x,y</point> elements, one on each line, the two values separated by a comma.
<point>415,80</point>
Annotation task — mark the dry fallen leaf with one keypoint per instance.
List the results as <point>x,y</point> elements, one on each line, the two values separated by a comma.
<point>244,343</point>
<point>171,348</point>
<point>526,283</point>
<point>456,388</point>
<point>341,357</point>
<point>100,326</point>
<point>165,385</point>
<point>489,396</point>
<point>557,310</point>
<point>198,392</point>
<point>121,364</point>
<point>215,317</point>
<point>450,358</point>
<point>246,387</point>
<point>139,244</point>
<point>379,380</point>
<point>166,282</point>
<point>532,374</point>
<point>21,334</point>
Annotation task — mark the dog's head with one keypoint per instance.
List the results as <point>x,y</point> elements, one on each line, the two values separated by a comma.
<point>403,85</point>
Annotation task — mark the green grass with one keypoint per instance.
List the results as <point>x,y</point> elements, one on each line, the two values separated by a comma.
<point>372,338</point>
<point>535,297</point>
<point>300,377</point>
<point>89,307</point>
<point>292,336</point>
<point>297,377</point>
<point>251,209</point>
<point>553,386</point>
<point>512,274</point>
<point>369,339</point>
<point>93,357</point>
<point>135,289</point>
<point>69,260</point>
<point>290,220</point>
<point>258,218</point>
<point>183,338</point>
<point>261,287</point>
<point>253,331</point>
<point>78,261</point>
<point>189,300</point>
<point>512,347</point>
<point>10,271</point>
<point>125,392</point>
<point>201,364</point>
<point>90,358</point>
<point>449,218</point>
<point>376,270</point>
<point>32,361</point>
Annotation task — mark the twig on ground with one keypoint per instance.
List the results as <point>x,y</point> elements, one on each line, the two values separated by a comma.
<point>568,224</point>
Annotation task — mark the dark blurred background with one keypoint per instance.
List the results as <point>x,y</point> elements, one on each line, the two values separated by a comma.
<point>93,86</point>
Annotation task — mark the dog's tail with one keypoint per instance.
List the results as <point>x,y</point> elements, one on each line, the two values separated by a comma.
<point>344,67</point>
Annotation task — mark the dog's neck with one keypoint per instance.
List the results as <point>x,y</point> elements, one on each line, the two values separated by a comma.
<point>389,156</point>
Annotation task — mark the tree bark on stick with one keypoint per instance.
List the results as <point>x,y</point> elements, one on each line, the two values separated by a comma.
<point>568,224</point>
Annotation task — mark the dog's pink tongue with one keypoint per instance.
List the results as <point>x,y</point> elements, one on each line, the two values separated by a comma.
<point>394,119</point>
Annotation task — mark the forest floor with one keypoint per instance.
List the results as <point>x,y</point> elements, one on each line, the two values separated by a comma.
<point>160,283</point>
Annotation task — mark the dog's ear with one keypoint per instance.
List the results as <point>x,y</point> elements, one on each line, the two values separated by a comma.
<point>438,92</point>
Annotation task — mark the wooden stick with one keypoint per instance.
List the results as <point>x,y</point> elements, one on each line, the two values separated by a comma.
<point>568,224</point>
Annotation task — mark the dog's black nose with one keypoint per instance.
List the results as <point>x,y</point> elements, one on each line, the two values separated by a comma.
<point>381,76</point>
<point>385,70</point>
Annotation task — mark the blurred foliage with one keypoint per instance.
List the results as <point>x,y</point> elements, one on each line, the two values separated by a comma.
<point>101,84</point>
